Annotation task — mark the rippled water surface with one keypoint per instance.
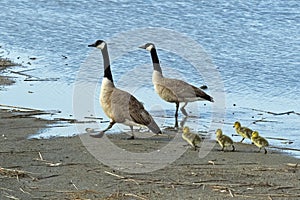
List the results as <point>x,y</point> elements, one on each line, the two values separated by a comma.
<point>253,45</point>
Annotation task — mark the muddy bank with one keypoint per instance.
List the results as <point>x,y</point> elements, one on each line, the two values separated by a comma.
<point>4,64</point>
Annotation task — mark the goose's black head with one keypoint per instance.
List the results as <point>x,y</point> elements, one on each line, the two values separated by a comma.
<point>100,44</point>
<point>148,46</point>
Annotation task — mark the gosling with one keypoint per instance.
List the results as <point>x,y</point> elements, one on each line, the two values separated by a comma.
<point>259,141</point>
<point>191,138</point>
<point>224,140</point>
<point>243,131</point>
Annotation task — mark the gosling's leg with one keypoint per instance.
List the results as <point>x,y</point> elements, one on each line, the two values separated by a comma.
<point>265,150</point>
<point>242,140</point>
<point>183,110</point>
<point>233,148</point>
<point>101,133</point>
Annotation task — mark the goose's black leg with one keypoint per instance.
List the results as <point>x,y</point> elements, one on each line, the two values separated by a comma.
<point>176,115</point>
<point>183,110</point>
<point>101,133</point>
<point>132,137</point>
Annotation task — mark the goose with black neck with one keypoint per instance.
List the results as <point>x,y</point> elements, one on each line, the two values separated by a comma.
<point>173,90</point>
<point>119,105</point>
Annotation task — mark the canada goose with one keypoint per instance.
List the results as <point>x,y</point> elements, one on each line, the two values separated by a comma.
<point>118,105</point>
<point>224,140</point>
<point>259,141</point>
<point>243,131</point>
<point>192,138</point>
<point>173,90</point>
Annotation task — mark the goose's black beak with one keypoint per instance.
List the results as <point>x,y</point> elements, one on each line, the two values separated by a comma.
<point>92,45</point>
<point>142,47</point>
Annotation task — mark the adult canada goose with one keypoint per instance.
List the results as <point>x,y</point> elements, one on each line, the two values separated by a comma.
<point>191,138</point>
<point>119,105</point>
<point>173,90</point>
<point>243,131</point>
<point>259,141</point>
<point>224,140</point>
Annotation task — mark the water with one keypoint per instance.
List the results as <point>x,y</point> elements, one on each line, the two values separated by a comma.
<point>254,45</point>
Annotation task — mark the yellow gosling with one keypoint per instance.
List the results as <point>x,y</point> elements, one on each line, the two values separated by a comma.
<point>224,140</point>
<point>192,138</point>
<point>243,131</point>
<point>259,141</point>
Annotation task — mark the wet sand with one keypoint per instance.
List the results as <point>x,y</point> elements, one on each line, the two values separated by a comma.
<point>63,168</point>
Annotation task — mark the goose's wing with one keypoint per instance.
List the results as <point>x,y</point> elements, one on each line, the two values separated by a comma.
<point>184,90</point>
<point>127,107</point>
<point>141,116</point>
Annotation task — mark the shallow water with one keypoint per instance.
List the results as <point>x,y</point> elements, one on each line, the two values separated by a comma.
<point>253,45</point>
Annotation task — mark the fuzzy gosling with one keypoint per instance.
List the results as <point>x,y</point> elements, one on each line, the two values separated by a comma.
<point>259,141</point>
<point>192,138</point>
<point>243,131</point>
<point>224,140</point>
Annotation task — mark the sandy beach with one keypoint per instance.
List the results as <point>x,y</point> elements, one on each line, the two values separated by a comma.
<point>62,168</point>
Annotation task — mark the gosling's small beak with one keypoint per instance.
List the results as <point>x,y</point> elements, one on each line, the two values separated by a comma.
<point>142,47</point>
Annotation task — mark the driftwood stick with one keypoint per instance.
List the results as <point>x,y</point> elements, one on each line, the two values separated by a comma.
<point>21,73</point>
<point>18,107</point>
<point>284,148</point>
<point>274,113</point>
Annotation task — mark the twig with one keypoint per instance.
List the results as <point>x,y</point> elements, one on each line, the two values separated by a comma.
<point>74,185</point>
<point>50,164</point>
<point>41,157</point>
<point>41,79</point>
<point>116,175</point>
<point>230,192</point>
<point>99,118</point>
<point>18,107</point>
<point>273,113</point>
<point>2,188</point>
<point>45,177</point>
<point>122,177</point>
<point>24,191</point>
<point>211,162</point>
<point>11,197</point>
<point>134,195</point>
<point>21,73</point>
<point>284,148</point>
<point>292,164</point>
